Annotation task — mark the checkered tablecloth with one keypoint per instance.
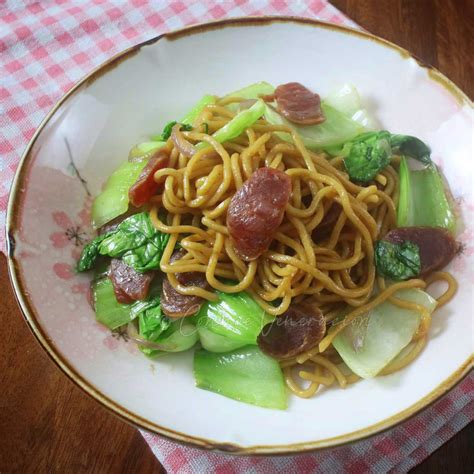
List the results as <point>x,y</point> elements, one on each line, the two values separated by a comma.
<point>45,47</point>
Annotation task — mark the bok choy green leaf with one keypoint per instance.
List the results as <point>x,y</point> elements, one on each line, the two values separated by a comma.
<point>413,147</point>
<point>113,200</point>
<point>114,314</point>
<point>187,121</point>
<point>251,92</point>
<point>234,316</point>
<point>108,310</point>
<point>213,342</point>
<point>346,99</point>
<point>369,346</point>
<point>180,336</point>
<point>166,133</point>
<point>153,325</point>
<point>423,199</point>
<point>145,150</point>
<point>335,130</point>
<point>135,241</point>
<point>238,124</point>
<point>151,320</point>
<point>245,374</point>
<point>369,153</point>
<point>397,261</point>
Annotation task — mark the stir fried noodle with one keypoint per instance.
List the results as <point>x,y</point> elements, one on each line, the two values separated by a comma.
<point>322,254</point>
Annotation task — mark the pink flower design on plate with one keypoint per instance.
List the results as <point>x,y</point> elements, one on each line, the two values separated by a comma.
<point>63,270</point>
<point>117,338</point>
<point>71,232</point>
<point>111,343</point>
<point>83,289</point>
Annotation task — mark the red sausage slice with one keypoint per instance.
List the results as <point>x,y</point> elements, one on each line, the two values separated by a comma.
<point>437,246</point>
<point>298,104</point>
<point>176,305</point>
<point>145,186</point>
<point>256,211</point>
<point>129,285</point>
<point>297,330</point>
<point>173,303</point>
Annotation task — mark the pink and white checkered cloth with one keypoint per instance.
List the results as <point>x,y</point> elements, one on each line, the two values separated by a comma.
<point>47,46</point>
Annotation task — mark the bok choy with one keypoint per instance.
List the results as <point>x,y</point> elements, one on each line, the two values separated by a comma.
<point>397,261</point>
<point>346,99</point>
<point>213,342</point>
<point>113,314</point>
<point>153,325</point>
<point>113,200</point>
<point>335,130</point>
<point>245,374</point>
<point>135,241</point>
<point>188,120</point>
<point>252,92</point>
<point>373,340</point>
<point>145,150</point>
<point>108,310</point>
<point>238,124</point>
<point>236,317</point>
<point>179,336</point>
<point>345,119</point>
<point>369,153</point>
<point>423,199</point>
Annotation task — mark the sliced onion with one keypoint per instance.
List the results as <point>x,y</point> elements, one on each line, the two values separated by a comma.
<point>180,142</point>
<point>134,336</point>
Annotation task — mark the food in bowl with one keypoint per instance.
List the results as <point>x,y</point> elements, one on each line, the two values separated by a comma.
<point>283,238</point>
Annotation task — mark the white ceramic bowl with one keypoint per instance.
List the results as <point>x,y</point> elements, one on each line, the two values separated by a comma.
<point>91,130</point>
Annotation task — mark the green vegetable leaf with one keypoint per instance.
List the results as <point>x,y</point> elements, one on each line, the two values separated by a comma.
<point>337,129</point>
<point>238,124</point>
<point>245,374</point>
<point>90,253</point>
<point>235,316</point>
<point>192,115</point>
<point>151,320</point>
<point>423,199</point>
<point>111,313</point>
<point>345,98</point>
<point>406,202</point>
<point>188,120</point>
<point>397,261</point>
<point>180,336</point>
<point>412,147</point>
<point>166,133</point>
<point>253,91</point>
<point>367,346</point>
<point>368,154</point>
<point>144,150</point>
<point>153,325</point>
<point>213,342</point>
<point>108,310</point>
<point>148,256</point>
<point>135,240</point>
<point>113,200</point>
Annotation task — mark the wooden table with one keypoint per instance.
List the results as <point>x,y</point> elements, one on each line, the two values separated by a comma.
<point>48,425</point>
